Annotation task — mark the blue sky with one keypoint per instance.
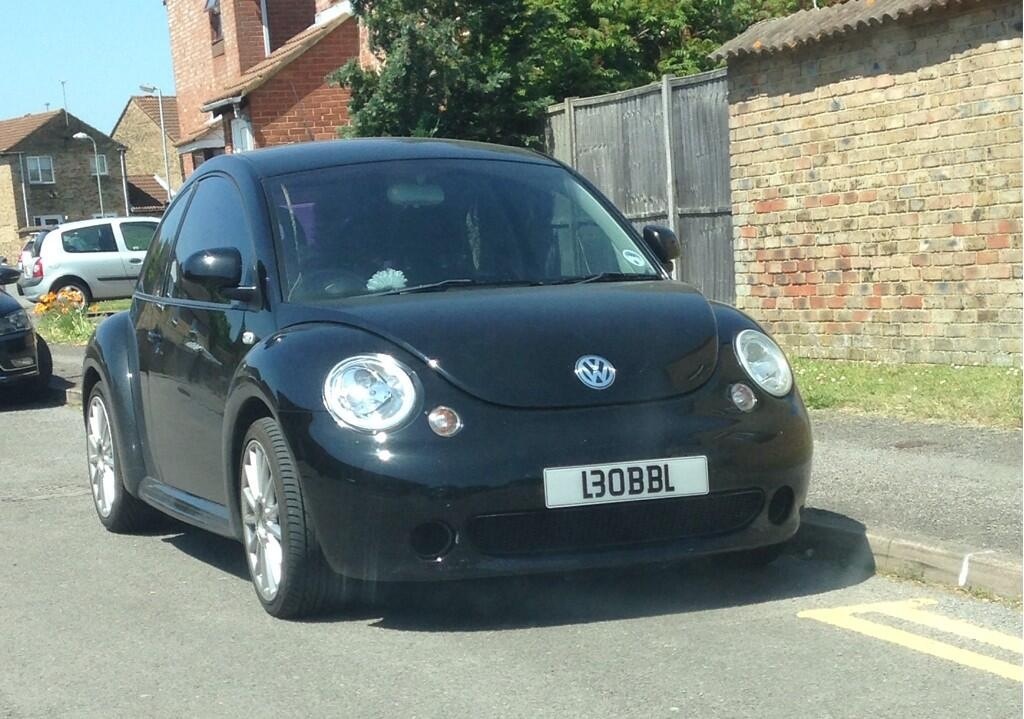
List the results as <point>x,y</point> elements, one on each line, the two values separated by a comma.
<point>104,49</point>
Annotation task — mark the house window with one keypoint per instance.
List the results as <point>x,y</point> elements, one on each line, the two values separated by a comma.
<point>40,170</point>
<point>216,31</point>
<point>47,220</point>
<point>100,160</point>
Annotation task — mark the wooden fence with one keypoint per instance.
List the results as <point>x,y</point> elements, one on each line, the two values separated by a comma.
<point>661,153</point>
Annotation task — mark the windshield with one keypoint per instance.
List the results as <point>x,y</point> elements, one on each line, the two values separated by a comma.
<point>402,226</point>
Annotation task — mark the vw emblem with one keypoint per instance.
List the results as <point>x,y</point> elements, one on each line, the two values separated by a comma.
<point>595,372</point>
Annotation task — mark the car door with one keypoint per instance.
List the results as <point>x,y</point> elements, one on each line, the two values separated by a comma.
<point>148,310</point>
<point>200,335</point>
<point>91,253</point>
<point>134,238</point>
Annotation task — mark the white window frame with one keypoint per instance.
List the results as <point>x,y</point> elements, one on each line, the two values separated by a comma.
<point>98,216</point>
<point>40,220</point>
<point>92,164</point>
<point>39,170</point>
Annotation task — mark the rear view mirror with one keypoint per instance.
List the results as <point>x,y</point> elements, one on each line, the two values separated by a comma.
<point>219,271</point>
<point>663,243</point>
<point>8,275</point>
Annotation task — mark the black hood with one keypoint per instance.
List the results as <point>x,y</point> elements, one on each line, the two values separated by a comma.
<point>519,346</point>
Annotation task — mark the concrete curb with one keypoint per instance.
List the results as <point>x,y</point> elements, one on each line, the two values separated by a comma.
<point>73,396</point>
<point>929,560</point>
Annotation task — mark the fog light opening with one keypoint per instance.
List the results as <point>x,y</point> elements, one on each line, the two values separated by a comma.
<point>781,505</point>
<point>432,540</point>
<point>743,397</point>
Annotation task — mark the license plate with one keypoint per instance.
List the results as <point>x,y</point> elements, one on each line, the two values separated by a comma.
<point>625,481</point>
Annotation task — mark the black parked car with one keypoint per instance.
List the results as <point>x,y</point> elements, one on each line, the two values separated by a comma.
<point>380,360</point>
<point>25,362</point>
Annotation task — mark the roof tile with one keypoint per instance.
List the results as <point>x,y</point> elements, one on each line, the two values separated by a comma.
<point>17,129</point>
<point>810,26</point>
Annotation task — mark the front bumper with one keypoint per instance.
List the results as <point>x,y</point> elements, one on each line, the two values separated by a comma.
<point>18,357</point>
<point>369,496</point>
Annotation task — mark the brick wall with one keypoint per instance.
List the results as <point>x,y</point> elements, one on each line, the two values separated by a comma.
<point>288,18</point>
<point>876,185</point>
<point>145,155</point>
<point>11,213</point>
<point>297,105</point>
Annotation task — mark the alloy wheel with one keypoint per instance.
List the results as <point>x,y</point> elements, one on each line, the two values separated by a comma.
<point>261,521</point>
<point>100,450</point>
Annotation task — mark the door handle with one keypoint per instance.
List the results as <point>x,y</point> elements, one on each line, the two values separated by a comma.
<point>135,261</point>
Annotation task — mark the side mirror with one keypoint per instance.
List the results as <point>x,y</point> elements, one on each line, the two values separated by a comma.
<point>8,275</point>
<point>663,243</point>
<point>219,271</point>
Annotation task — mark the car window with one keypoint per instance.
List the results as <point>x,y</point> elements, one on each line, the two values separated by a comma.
<point>97,238</point>
<point>357,230</point>
<point>215,218</point>
<point>137,235</point>
<point>151,278</point>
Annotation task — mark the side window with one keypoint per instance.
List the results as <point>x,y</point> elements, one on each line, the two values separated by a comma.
<point>215,218</point>
<point>151,278</point>
<point>98,238</point>
<point>137,235</point>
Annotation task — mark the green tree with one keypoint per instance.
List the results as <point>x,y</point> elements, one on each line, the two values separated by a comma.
<point>486,69</point>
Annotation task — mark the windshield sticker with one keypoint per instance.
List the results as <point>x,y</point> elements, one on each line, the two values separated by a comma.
<point>634,258</point>
<point>387,279</point>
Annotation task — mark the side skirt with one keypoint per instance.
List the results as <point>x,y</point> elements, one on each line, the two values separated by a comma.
<point>186,507</point>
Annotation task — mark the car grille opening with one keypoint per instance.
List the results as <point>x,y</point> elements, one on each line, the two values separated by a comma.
<point>614,525</point>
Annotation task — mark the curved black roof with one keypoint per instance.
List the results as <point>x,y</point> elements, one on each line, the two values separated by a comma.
<point>286,159</point>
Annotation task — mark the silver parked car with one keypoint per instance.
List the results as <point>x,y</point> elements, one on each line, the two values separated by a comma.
<point>100,258</point>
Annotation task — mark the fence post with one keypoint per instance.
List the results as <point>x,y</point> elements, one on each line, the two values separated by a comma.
<point>670,172</point>
<point>570,119</point>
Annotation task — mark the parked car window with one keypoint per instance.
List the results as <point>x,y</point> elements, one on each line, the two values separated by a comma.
<point>98,238</point>
<point>137,235</point>
<point>151,277</point>
<point>215,218</point>
<point>356,230</point>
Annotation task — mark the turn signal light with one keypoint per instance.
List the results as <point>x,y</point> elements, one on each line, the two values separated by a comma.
<point>743,397</point>
<point>445,421</point>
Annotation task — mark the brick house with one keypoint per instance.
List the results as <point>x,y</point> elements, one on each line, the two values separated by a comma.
<point>138,129</point>
<point>876,179</point>
<point>48,177</point>
<point>251,73</point>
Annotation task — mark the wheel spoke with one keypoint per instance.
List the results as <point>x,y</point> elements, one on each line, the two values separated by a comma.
<point>250,501</point>
<point>251,478</point>
<point>274,530</point>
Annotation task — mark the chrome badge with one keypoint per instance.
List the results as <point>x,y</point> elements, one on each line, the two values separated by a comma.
<point>595,372</point>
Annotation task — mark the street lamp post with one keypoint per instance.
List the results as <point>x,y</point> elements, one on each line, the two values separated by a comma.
<point>96,162</point>
<point>163,134</point>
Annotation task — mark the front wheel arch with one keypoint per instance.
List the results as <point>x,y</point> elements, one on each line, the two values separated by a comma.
<point>251,407</point>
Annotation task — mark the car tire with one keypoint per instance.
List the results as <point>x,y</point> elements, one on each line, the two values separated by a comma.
<point>118,511</point>
<point>754,558</point>
<point>288,570</point>
<point>77,285</point>
<point>44,363</point>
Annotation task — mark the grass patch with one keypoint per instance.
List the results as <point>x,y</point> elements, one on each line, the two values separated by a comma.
<point>73,328</point>
<point>111,305</point>
<point>975,395</point>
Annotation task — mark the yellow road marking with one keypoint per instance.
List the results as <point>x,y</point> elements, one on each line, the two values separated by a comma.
<point>845,618</point>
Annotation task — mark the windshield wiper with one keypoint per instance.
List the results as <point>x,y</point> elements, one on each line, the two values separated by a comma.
<point>454,282</point>
<point>612,277</point>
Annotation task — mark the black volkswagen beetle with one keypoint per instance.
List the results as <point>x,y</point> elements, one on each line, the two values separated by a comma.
<point>401,360</point>
<point>25,362</point>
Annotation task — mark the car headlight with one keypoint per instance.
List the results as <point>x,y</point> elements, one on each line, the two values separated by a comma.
<point>764,362</point>
<point>16,321</point>
<point>372,393</point>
